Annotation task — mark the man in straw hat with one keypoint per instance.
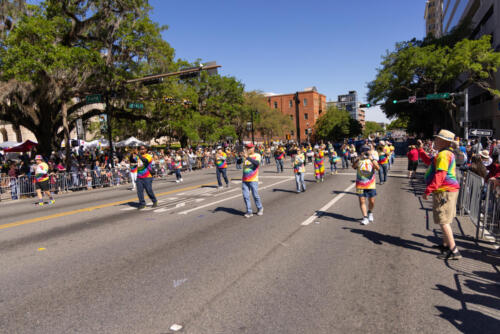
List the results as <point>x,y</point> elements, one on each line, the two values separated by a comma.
<point>442,183</point>
<point>42,180</point>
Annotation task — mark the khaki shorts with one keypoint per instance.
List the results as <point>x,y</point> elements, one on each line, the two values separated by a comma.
<point>444,207</point>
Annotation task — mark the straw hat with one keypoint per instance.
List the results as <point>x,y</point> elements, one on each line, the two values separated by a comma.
<point>446,135</point>
<point>484,154</point>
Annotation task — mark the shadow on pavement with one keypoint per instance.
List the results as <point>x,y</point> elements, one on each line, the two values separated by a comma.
<point>336,216</point>
<point>229,210</point>
<point>380,239</point>
<point>468,321</point>
<point>131,204</point>
<point>208,186</point>
<point>284,190</point>
<point>343,192</point>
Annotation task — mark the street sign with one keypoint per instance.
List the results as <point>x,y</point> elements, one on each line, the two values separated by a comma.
<point>412,99</point>
<point>480,132</point>
<point>80,132</point>
<point>136,105</point>
<point>96,98</point>
<point>437,96</point>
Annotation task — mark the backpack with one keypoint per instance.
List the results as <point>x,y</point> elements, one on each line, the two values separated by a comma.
<point>460,157</point>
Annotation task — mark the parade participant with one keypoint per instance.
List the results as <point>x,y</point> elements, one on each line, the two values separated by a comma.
<point>366,167</point>
<point>250,180</point>
<point>279,155</point>
<point>144,178</point>
<point>383,161</point>
<point>319,164</point>
<point>392,149</point>
<point>345,156</point>
<point>177,166</point>
<point>221,164</point>
<point>42,180</point>
<point>442,183</point>
<point>268,155</point>
<point>412,161</point>
<point>334,158</point>
<point>299,169</point>
<point>133,168</point>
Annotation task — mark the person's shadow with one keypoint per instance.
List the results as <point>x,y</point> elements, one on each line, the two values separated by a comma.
<point>228,210</point>
<point>284,190</point>
<point>380,239</point>
<point>336,216</point>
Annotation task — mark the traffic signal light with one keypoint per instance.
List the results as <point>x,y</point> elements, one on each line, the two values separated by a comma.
<point>152,82</point>
<point>394,101</point>
<point>367,105</point>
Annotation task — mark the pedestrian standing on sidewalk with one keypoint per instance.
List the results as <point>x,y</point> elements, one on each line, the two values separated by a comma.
<point>366,167</point>
<point>299,169</point>
<point>42,180</point>
<point>221,167</point>
<point>279,156</point>
<point>383,161</point>
<point>145,178</point>
<point>250,180</point>
<point>442,183</point>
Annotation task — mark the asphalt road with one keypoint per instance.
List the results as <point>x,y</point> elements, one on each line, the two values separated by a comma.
<point>92,263</point>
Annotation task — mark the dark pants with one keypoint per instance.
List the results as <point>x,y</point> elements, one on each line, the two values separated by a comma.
<point>279,165</point>
<point>382,172</point>
<point>222,171</point>
<point>178,175</point>
<point>145,184</point>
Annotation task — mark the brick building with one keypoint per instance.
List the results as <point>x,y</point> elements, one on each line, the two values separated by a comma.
<point>311,105</point>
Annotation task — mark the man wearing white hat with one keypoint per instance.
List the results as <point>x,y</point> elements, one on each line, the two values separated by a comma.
<point>442,183</point>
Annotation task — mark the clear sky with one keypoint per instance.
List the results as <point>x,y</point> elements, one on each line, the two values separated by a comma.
<point>283,46</point>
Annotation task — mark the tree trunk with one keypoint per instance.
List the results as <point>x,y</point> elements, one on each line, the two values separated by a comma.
<point>64,111</point>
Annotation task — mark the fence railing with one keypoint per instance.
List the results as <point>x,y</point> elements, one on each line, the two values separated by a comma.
<point>481,203</point>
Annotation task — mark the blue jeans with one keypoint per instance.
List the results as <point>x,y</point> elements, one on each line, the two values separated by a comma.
<point>145,184</point>
<point>299,181</point>
<point>268,160</point>
<point>279,165</point>
<point>246,187</point>
<point>382,172</point>
<point>333,166</point>
<point>222,171</point>
<point>345,162</point>
<point>178,174</point>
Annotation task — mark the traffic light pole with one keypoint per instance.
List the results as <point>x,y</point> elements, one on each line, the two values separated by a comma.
<point>466,114</point>
<point>297,116</point>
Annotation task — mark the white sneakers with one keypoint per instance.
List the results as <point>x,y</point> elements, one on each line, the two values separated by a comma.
<point>260,212</point>
<point>365,221</point>
<point>370,217</point>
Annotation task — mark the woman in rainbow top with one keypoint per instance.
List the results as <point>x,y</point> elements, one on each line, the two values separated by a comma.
<point>177,166</point>
<point>366,167</point>
<point>383,160</point>
<point>144,178</point>
<point>221,166</point>
<point>319,163</point>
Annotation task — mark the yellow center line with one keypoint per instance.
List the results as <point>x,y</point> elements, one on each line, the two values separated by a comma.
<point>92,208</point>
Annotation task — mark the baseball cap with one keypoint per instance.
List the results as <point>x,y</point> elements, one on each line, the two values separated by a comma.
<point>38,157</point>
<point>365,148</point>
<point>249,145</point>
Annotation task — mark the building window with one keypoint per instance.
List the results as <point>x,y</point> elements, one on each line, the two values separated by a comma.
<point>320,111</point>
<point>275,105</point>
<point>291,132</point>
<point>306,116</point>
<point>305,102</point>
<point>290,103</point>
<point>291,117</point>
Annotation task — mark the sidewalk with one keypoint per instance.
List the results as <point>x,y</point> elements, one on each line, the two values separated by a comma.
<point>475,286</point>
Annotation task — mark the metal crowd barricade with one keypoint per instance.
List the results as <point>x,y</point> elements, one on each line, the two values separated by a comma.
<point>491,222</point>
<point>470,196</point>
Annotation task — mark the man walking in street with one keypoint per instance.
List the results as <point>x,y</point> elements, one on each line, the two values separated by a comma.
<point>42,180</point>
<point>250,180</point>
<point>299,169</point>
<point>383,160</point>
<point>221,167</point>
<point>279,156</point>
<point>144,178</point>
<point>366,167</point>
<point>442,183</point>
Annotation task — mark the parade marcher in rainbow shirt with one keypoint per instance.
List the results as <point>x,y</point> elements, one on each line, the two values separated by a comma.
<point>299,169</point>
<point>333,160</point>
<point>177,166</point>
<point>383,160</point>
<point>221,166</point>
<point>42,180</point>
<point>441,180</point>
<point>319,164</point>
<point>279,156</point>
<point>345,155</point>
<point>133,168</point>
<point>144,177</point>
<point>366,167</point>
<point>250,180</point>
<point>393,154</point>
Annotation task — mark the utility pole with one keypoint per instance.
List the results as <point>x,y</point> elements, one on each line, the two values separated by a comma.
<point>297,116</point>
<point>110,135</point>
<point>253,137</point>
<point>466,114</point>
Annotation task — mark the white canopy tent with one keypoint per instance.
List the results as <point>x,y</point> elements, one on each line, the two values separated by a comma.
<point>9,144</point>
<point>130,142</point>
<point>96,143</point>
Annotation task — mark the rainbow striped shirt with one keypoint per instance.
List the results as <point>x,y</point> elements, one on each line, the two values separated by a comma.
<point>365,175</point>
<point>142,170</point>
<point>445,160</point>
<point>250,171</point>
<point>221,160</point>
<point>42,172</point>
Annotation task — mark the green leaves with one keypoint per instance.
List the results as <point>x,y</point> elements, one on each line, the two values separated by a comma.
<point>335,125</point>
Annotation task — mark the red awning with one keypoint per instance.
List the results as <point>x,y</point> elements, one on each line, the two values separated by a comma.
<point>24,147</point>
